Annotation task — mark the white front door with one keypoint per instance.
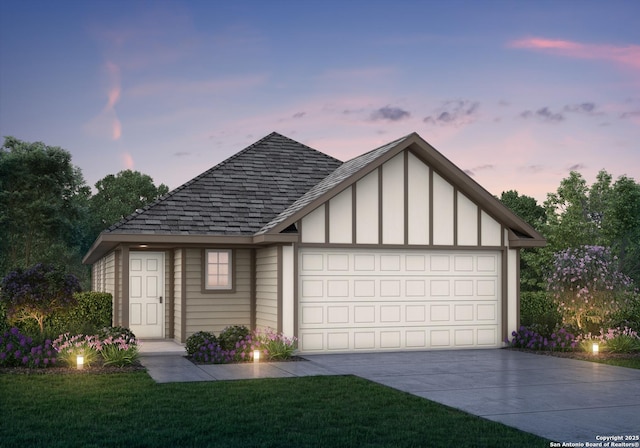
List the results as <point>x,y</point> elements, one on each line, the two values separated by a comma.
<point>146,294</point>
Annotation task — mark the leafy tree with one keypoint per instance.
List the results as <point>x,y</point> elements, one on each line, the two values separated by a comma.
<point>120,195</point>
<point>37,292</point>
<point>525,207</point>
<point>569,215</point>
<point>43,206</point>
<point>621,225</point>
<point>532,261</point>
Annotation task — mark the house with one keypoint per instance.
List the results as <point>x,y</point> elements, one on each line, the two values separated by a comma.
<point>396,249</point>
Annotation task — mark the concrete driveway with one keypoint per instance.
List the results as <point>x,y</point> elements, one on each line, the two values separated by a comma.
<point>564,400</point>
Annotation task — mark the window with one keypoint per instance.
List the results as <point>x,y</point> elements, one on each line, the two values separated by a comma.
<point>218,269</point>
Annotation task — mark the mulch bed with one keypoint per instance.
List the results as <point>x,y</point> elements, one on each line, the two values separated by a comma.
<point>93,370</point>
<point>585,356</point>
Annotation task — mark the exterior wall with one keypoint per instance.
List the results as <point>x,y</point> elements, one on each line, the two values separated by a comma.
<point>177,294</point>
<point>215,310</point>
<point>288,291</point>
<point>267,287</point>
<point>103,274</point>
<point>402,202</point>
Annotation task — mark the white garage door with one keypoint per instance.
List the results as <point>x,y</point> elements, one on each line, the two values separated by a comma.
<point>364,300</point>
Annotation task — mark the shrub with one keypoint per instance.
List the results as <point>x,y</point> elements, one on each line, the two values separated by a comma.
<point>615,340</point>
<point>37,292</point>
<point>70,347</point>
<point>538,311</point>
<point>119,351</point>
<point>198,339</point>
<point>275,345</point>
<point>587,287</point>
<point>17,349</point>
<point>561,340</point>
<point>91,312</point>
<point>232,335</point>
<point>206,348</point>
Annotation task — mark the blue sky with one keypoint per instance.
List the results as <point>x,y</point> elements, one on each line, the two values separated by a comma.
<point>517,93</point>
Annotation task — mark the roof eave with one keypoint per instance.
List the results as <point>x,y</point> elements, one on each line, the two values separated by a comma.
<point>107,242</point>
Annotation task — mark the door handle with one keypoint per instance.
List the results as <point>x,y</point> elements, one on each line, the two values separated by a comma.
<point>160,299</point>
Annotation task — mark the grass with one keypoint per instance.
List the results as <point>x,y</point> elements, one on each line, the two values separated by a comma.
<point>633,363</point>
<point>130,410</point>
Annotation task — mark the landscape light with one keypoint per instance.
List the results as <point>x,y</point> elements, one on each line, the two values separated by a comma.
<point>256,356</point>
<point>595,348</point>
<point>80,362</point>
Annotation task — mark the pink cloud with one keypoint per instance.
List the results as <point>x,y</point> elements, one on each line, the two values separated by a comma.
<point>628,55</point>
<point>127,161</point>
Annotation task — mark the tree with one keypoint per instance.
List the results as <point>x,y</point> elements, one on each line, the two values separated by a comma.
<point>569,215</point>
<point>525,207</point>
<point>621,225</point>
<point>43,206</point>
<point>37,292</point>
<point>120,195</point>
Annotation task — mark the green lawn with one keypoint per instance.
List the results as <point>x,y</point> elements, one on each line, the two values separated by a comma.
<point>633,363</point>
<point>130,410</point>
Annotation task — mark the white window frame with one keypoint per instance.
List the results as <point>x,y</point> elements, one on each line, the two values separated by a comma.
<point>229,268</point>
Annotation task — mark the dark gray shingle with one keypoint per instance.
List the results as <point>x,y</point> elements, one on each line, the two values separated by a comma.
<point>238,196</point>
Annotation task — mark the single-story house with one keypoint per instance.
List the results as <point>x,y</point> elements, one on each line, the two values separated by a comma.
<point>396,249</point>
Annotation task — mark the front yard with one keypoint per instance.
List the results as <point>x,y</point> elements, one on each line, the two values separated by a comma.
<point>130,410</point>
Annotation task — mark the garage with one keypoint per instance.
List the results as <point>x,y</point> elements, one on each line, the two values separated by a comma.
<point>380,299</point>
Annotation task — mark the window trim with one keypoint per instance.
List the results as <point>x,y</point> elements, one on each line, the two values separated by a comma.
<point>206,289</point>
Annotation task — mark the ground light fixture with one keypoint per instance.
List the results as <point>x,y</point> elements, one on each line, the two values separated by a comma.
<point>80,362</point>
<point>595,348</point>
<point>256,356</point>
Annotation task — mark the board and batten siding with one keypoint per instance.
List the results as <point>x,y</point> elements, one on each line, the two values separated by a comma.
<point>213,311</point>
<point>267,288</point>
<point>401,202</point>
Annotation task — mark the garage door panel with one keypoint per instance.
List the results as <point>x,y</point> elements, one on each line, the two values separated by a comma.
<point>352,300</point>
<point>397,338</point>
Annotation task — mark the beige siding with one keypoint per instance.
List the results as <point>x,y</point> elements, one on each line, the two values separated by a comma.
<point>267,287</point>
<point>213,311</point>
<point>177,293</point>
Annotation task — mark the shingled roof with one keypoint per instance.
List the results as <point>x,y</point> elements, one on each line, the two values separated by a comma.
<point>341,174</point>
<point>238,196</point>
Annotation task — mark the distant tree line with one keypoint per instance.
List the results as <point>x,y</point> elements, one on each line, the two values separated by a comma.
<point>48,214</point>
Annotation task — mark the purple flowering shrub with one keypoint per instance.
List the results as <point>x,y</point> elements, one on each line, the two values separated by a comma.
<point>560,340</point>
<point>237,344</point>
<point>587,287</point>
<point>37,292</point>
<point>615,340</point>
<point>18,350</point>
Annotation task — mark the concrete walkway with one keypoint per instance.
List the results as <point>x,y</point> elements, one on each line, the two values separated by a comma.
<point>561,399</point>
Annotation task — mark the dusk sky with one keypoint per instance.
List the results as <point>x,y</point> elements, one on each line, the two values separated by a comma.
<point>516,93</point>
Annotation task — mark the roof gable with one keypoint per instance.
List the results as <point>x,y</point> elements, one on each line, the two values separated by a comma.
<point>521,234</point>
<point>239,195</point>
